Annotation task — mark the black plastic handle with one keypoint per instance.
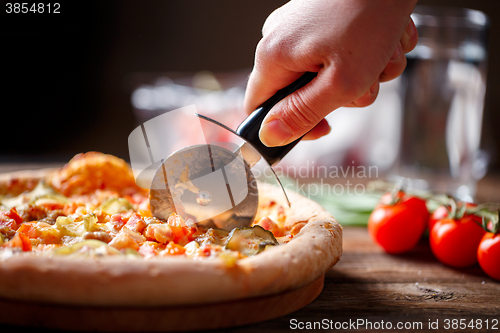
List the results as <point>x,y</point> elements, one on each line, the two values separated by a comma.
<point>249,128</point>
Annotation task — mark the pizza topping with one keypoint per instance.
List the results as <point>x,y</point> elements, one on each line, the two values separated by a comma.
<point>229,258</point>
<point>173,249</point>
<point>90,247</point>
<point>192,248</point>
<point>270,225</point>
<point>69,227</point>
<point>136,223</point>
<point>251,240</point>
<point>19,241</point>
<point>10,219</point>
<point>161,233</point>
<point>115,205</point>
<point>52,216</point>
<point>98,235</point>
<point>41,195</point>
<point>124,241</point>
<point>32,213</point>
<point>92,207</point>
<point>116,221</point>
<point>213,236</point>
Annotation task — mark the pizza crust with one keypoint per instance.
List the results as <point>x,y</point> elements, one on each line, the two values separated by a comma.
<point>116,281</point>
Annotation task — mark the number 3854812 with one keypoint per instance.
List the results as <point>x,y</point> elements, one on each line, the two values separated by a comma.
<point>32,7</point>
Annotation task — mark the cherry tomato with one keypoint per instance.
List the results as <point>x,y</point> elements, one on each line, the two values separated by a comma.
<point>397,227</point>
<point>442,212</point>
<point>455,241</point>
<point>488,254</point>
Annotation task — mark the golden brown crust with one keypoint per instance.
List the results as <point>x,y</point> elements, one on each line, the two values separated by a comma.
<point>171,281</point>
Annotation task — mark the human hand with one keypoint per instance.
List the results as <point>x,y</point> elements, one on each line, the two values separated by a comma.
<point>352,44</point>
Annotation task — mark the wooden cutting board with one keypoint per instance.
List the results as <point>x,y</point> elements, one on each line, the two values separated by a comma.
<point>158,319</point>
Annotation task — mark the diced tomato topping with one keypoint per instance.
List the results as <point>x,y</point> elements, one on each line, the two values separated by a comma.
<point>136,223</point>
<point>28,229</point>
<point>159,232</point>
<point>117,221</point>
<point>124,241</point>
<point>10,218</point>
<point>51,204</point>
<point>173,249</point>
<point>270,225</point>
<point>70,208</point>
<point>101,216</point>
<point>41,231</point>
<point>266,223</point>
<point>182,235</point>
<point>175,220</point>
<point>205,250</point>
<point>20,241</point>
<point>145,213</point>
<point>147,250</point>
<point>136,198</point>
<point>144,209</point>
<point>13,214</point>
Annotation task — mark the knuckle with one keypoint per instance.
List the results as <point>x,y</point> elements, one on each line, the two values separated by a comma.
<point>272,49</point>
<point>349,83</point>
<point>270,21</point>
<point>365,100</point>
<point>393,70</point>
<point>346,87</point>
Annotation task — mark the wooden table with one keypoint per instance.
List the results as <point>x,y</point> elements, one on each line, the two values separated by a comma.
<point>413,289</point>
<point>368,284</point>
<point>369,288</point>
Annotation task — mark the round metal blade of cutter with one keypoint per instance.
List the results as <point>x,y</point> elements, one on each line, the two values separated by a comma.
<point>207,183</point>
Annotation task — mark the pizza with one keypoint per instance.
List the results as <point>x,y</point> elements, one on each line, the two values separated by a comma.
<point>84,235</point>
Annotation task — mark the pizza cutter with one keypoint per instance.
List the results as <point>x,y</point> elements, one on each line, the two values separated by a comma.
<point>213,184</point>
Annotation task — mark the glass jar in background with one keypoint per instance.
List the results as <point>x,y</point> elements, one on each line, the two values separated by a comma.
<point>442,102</point>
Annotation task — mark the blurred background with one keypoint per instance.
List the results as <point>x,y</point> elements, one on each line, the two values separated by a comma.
<point>72,81</point>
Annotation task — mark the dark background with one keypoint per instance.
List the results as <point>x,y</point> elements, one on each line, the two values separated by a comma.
<point>66,77</point>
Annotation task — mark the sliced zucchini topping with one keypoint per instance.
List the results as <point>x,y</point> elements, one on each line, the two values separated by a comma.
<point>251,240</point>
<point>213,236</point>
<point>115,205</point>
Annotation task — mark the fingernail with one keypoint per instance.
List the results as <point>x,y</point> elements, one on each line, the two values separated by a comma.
<point>410,29</point>
<point>397,52</point>
<point>374,88</point>
<point>274,133</point>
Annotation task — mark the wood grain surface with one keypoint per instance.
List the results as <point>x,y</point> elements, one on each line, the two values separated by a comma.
<point>24,316</point>
<point>368,284</point>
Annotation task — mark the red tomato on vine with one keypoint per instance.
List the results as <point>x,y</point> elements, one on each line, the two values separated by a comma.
<point>398,222</point>
<point>488,254</point>
<point>442,212</point>
<point>455,237</point>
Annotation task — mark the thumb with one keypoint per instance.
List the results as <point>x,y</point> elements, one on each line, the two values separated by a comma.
<point>301,111</point>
